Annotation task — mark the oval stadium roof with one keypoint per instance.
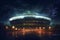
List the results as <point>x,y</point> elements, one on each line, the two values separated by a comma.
<point>29,14</point>
<point>21,17</point>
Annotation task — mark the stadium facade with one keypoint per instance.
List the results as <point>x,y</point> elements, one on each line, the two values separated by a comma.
<point>30,23</point>
<point>30,20</point>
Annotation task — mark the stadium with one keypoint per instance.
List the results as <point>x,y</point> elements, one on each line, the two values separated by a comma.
<point>30,22</point>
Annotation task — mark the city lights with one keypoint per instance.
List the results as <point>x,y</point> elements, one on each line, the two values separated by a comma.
<point>24,30</point>
<point>16,29</point>
<point>43,27</point>
<point>39,27</point>
<point>49,27</point>
<point>13,27</point>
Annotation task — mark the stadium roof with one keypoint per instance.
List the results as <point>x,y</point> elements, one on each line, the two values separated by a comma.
<point>29,14</point>
<point>21,17</point>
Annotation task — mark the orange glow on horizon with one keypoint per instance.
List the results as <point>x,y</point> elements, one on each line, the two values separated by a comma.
<point>36,30</point>
<point>23,31</point>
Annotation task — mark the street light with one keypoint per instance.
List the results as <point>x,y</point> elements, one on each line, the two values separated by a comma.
<point>49,27</point>
<point>13,27</point>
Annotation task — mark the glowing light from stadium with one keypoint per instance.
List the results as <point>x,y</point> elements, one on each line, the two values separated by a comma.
<point>16,29</point>
<point>13,27</point>
<point>43,27</point>
<point>29,14</point>
<point>43,17</point>
<point>23,31</point>
<point>21,17</point>
<point>17,17</point>
<point>49,27</point>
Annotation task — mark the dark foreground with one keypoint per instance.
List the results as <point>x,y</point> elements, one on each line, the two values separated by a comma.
<point>14,35</point>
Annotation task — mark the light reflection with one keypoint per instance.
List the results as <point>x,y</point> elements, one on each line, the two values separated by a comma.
<point>23,31</point>
<point>13,27</point>
<point>50,33</point>
<point>49,27</point>
<point>43,27</point>
<point>39,27</point>
<point>16,29</point>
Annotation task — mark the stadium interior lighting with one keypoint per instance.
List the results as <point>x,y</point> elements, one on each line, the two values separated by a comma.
<point>49,27</point>
<point>13,27</point>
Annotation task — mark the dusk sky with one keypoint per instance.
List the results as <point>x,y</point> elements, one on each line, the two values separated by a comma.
<point>50,8</point>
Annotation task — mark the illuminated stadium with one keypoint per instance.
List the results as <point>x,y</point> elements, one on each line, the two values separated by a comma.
<point>29,22</point>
